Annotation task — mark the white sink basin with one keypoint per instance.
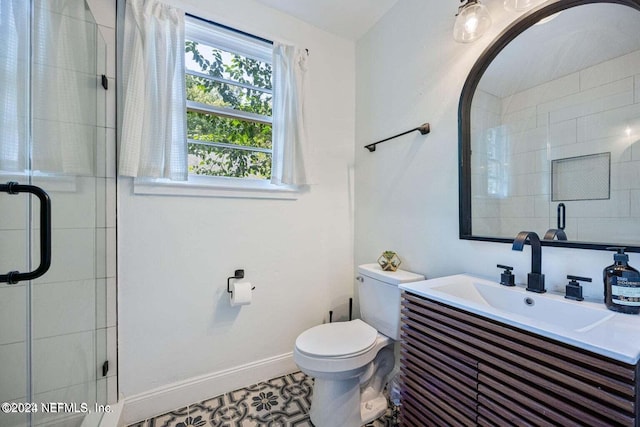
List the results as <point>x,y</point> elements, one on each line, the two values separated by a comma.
<point>517,301</point>
<point>583,324</point>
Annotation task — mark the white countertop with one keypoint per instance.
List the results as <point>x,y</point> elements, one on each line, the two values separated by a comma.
<point>611,334</point>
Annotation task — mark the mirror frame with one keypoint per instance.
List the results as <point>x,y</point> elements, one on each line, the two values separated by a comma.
<point>464,117</point>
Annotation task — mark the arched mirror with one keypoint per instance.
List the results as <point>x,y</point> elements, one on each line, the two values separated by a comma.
<point>549,127</point>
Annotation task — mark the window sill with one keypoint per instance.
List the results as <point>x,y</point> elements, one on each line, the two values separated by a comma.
<point>206,186</point>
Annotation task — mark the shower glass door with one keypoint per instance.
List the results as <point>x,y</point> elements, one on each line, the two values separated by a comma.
<point>52,119</point>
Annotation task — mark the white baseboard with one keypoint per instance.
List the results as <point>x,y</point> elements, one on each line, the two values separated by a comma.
<point>180,394</point>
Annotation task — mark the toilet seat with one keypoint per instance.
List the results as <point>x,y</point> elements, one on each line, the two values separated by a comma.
<point>346,347</point>
<point>337,340</point>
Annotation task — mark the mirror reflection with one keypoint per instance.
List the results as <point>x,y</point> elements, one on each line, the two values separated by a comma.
<point>555,130</point>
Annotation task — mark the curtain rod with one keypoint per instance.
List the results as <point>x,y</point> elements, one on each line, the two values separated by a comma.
<point>424,129</point>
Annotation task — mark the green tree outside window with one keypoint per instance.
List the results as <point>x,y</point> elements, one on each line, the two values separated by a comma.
<point>243,78</point>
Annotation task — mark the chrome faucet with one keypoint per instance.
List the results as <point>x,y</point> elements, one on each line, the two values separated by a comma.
<point>535,279</point>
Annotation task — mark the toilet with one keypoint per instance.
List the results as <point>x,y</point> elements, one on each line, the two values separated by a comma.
<point>350,361</point>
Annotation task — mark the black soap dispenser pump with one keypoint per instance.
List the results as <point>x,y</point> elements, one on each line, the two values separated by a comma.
<point>621,284</point>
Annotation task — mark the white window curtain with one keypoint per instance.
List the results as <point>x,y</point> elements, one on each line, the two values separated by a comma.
<point>61,88</point>
<point>290,148</point>
<point>14,51</point>
<point>153,140</point>
<point>64,94</point>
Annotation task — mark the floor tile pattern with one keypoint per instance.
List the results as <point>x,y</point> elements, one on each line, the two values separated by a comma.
<point>279,402</point>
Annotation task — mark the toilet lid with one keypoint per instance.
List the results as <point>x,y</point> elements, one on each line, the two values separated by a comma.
<point>337,339</point>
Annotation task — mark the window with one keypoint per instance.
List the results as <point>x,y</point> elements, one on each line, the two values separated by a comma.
<point>244,138</point>
<point>497,151</point>
<point>229,102</point>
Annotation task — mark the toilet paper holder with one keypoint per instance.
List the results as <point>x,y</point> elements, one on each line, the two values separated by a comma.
<point>238,274</point>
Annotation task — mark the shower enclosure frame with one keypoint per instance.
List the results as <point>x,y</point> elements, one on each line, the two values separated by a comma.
<point>63,323</point>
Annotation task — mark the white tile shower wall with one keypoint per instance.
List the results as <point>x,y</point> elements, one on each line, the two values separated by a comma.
<point>13,306</point>
<point>423,171</point>
<point>587,112</point>
<point>64,83</point>
<point>612,123</point>
<point>76,393</point>
<point>14,387</point>
<point>66,357</point>
<point>14,221</point>
<point>609,71</point>
<point>52,315</point>
<point>175,253</point>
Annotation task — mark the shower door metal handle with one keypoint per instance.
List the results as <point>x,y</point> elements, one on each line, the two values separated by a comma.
<point>14,277</point>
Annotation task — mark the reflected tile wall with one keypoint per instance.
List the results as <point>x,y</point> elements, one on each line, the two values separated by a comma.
<point>592,111</point>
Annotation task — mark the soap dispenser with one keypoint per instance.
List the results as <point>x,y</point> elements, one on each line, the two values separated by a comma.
<point>621,284</point>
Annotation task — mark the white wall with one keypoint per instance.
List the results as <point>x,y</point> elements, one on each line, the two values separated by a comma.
<point>409,70</point>
<point>175,253</point>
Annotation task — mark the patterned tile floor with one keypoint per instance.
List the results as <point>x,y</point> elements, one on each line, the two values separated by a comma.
<point>280,402</point>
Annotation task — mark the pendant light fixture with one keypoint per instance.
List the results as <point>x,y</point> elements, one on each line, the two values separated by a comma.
<point>472,21</point>
<point>521,5</point>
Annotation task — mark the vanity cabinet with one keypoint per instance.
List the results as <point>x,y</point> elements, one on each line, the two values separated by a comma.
<point>460,369</point>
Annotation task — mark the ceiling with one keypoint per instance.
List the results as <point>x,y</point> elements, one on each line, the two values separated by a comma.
<point>349,19</point>
<point>576,39</point>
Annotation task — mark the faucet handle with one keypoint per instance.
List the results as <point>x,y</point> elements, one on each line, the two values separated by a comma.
<point>573,290</point>
<point>578,278</point>
<point>506,278</point>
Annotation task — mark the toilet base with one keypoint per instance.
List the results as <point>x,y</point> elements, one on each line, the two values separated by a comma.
<point>374,403</point>
<point>336,403</point>
<point>355,400</point>
<point>373,409</point>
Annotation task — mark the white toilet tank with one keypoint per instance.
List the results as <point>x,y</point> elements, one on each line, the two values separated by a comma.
<point>379,297</point>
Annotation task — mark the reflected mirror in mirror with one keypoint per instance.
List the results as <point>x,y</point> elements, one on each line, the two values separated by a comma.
<point>550,136</point>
